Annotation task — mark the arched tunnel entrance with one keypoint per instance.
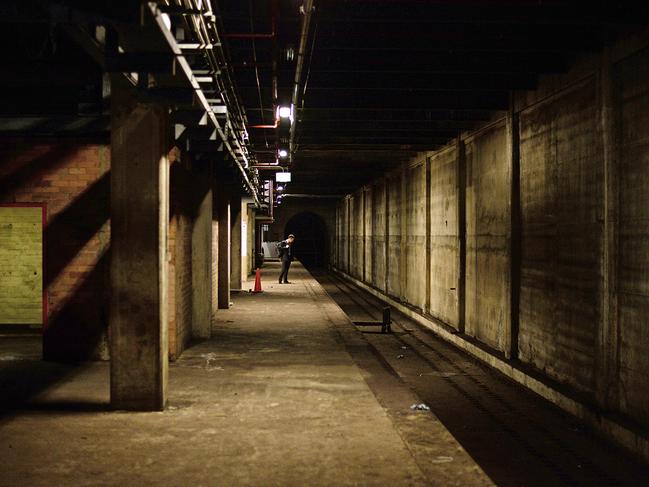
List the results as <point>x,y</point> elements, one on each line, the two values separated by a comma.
<point>311,239</point>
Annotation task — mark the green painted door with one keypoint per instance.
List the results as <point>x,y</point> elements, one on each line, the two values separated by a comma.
<point>21,265</point>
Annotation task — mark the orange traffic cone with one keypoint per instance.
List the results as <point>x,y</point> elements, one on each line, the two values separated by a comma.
<point>257,281</point>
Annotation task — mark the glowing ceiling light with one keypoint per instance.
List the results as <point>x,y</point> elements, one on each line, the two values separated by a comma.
<point>283,153</point>
<point>285,112</point>
<point>283,177</point>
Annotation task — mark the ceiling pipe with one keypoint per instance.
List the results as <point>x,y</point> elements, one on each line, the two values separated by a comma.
<point>272,166</point>
<point>251,35</point>
<point>265,126</point>
<point>306,22</point>
<point>316,196</point>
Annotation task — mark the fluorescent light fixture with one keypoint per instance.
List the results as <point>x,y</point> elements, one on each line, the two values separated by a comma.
<point>283,177</point>
<point>283,153</point>
<point>285,112</point>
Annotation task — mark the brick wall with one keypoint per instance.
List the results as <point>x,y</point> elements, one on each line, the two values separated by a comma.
<point>73,179</point>
<point>180,255</point>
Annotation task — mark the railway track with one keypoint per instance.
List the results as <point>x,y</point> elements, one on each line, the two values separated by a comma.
<point>518,438</point>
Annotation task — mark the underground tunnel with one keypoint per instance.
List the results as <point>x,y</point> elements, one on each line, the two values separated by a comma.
<point>311,245</point>
<point>468,290</point>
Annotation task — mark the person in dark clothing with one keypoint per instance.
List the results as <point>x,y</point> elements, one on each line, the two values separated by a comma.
<point>286,250</point>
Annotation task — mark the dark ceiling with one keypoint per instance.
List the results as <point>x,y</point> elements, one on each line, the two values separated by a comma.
<point>380,79</point>
<point>384,79</point>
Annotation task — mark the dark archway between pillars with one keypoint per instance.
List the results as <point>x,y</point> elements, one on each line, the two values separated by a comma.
<point>311,239</point>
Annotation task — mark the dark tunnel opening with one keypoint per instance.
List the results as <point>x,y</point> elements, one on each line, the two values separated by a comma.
<point>310,239</point>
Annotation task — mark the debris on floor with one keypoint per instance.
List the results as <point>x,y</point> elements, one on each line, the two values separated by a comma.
<point>400,356</point>
<point>420,407</point>
<point>210,360</point>
<point>442,459</point>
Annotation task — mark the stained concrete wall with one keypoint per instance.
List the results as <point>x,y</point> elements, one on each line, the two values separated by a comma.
<point>394,235</point>
<point>561,204</point>
<point>344,228</point>
<point>631,101</point>
<point>536,228</point>
<point>415,235</point>
<point>487,305</point>
<point>368,211</point>
<point>378,226</point>
<point>358,246</point>
<point>443,252</point>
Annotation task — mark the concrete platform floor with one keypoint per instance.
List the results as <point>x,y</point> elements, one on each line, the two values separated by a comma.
<point>287,392</point>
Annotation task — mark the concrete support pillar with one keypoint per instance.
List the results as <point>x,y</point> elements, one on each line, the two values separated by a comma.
<point>429,264</point>
<point>138,274</point>
<point>235,241</point>
<point>223,217</point>
<point>252,239</point>
<point>364,234</point>
<point>336,256</point>
<point>386,233</point>
<point>247,238</point>
<point>403,221</point>
<point>515,235</point>
<point>461,233</point>
<point>259,234</point>
<point>202,251</point>
<point>349,235</point>
<point>608,346</point>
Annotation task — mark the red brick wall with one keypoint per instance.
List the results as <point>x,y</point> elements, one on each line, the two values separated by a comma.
<point>180,255</point>
<point>73,179</point>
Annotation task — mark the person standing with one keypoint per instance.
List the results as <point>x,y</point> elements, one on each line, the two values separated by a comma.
<point>286,252</point>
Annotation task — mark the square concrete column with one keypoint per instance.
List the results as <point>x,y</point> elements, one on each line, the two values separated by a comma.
<point>222,215</point>
<point>235,241</point>
<point>138,274</point>
<point>247,236</point>
<point>202,250</point>
<point>251,239</point>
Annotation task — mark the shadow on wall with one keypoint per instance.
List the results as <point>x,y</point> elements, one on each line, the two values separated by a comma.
<point>18,171</point>
<point>76,331</point>
<point>71,229</point>
<point>77,277</point>
<point>312,241</point>
<point>73,180</point>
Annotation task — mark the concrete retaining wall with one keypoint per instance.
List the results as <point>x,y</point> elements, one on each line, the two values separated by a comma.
<point>530,237</point>
<point>488,175</point>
